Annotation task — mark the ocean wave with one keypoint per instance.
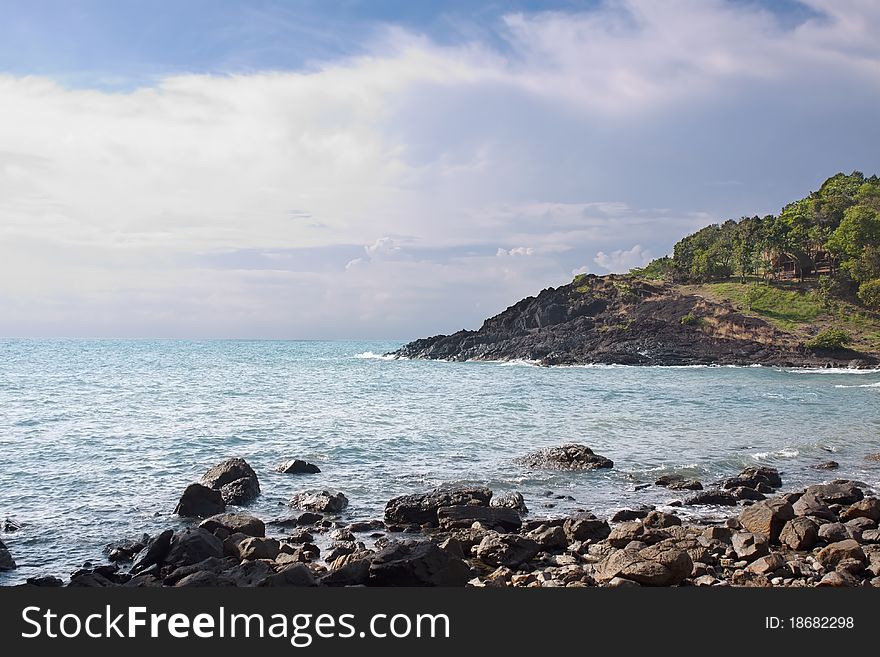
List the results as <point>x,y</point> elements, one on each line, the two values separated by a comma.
<point>828,370</point>
<point>785,453</point>
<point>862,385</point>
<point>369,355</point>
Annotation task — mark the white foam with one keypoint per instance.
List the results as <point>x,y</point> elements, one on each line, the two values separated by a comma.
<point>863,385</point>
<point>785,452</point>
<point>372,356</point>
<point>829,370</point>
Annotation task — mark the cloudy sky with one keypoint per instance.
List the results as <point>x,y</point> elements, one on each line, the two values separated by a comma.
<point>392,169</point>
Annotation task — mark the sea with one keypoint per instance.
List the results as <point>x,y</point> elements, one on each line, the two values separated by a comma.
<point>98,438</point>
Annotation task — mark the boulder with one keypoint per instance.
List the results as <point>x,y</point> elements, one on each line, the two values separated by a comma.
<point>837,492</point>
<point>422,508</point>
<point>192,546</point>
<point>586,527</point>
<point>838,580</point>
<point>624,534</point>
<point>830,556</point>
<point>298,466</point>
<point>235,479</point>
<point>767,518</point>
<point>868,507</point>
<point>508,550</point>
<point>44,581</point>
<point>799,534</point>
<point>565,457</point>
<point>249,573</point>
<point>871,536</point>
<point>711,497</point>
<point>320,501</point>
<point>809,504</point>
<point>235,523</point>
<point>762,479</point>
<point>502,519</point>
<point>627,515</point>
<point>512,500</point>
<point>833,532</point>
<point>826,465</point>
<point>549,538</point>
<point>6,560</point>
<point>659,565</point>
<point>199,501</point>
<point>749,546</point>
<point>291,575</point>
<point>414,563</point>
<point>211,564</point>
<point>354,573</point>
<point>203,578</point>
<point>254,547</point>
<point>767,564</point>
<point>9,526</point>
<point>661,520</point>
<point>153,554</point>
<point>678,482</point>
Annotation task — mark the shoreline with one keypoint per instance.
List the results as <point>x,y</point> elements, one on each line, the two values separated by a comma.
<point>823,535</point>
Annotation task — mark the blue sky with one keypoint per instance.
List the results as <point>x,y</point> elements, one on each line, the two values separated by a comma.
<point>392,169</point>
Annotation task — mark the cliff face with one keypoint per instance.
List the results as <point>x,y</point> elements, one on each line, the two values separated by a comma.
<point>617,320</point>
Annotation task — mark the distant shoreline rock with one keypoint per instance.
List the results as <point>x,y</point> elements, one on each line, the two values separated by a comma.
<point>619,320</point>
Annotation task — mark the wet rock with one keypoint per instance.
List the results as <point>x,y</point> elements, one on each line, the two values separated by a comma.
<point>678,482</point>
<point>508,550</point>
<point>9,526</point>
<point>366,525</point>
<point>211,564</point>
<point>6,560</point>
<point>586,527</point>
<point>837,492</point>
<point>761,474</point>
<point>767,518</point>
<point>830,556</point>
<point>192,546</point>
<point>235,479</point>
<point>124,550</point>
<point>661,520</point>
<point>749,546</point>
<point>743,493</point>
<point>292,575</point>
<point>422,508</point>
<point>658,565</point>
<point>199,501</point>
<point>799,534</point>
<point>416,564</point>
<point>711,497</point>
<point>92,580</point>
<point>565,457</point>
<point>868,507</point>
<point>503,519</point>
<point>354,573</point>
<point>235,523</point>
<point>321,501</point>
<point>826,465</point>
<point>627,515</point>
<point>298,466</point>
<point>513,500</point>
<point>809,504</point>
<point>154,553</point>
<point>45,581</point>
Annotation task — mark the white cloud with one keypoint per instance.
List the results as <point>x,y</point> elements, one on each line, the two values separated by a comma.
<point>585,269</point>
<point>621,261</point>
<point>589,132</point>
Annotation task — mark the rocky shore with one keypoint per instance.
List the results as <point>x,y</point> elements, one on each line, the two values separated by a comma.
<point>619,320</point>
<point>824,535</point>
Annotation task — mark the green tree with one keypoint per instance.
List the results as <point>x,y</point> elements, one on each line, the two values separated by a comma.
<point>869,293</point>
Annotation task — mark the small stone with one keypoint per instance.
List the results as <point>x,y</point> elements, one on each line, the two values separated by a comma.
<point>298,466</point>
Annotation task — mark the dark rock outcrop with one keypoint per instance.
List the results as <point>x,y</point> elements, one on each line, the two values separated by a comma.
<point>233,523</point>
<point>565,457</point>
<point>298,466</point>
<point>422,508</point>
<point>319,501</point>
<point>622,320</point>
<point>235,479</point>
<point>452,517</point>
<point>6,560</point>
<point>416,564</point>
<point>199,501</point>
<point>513,500</point>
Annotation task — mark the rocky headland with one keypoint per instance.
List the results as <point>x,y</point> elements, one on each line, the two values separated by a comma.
<point>824,535</point>
<point>623,320</point>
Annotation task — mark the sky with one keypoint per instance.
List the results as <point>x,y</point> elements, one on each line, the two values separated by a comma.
<point>378,169</point>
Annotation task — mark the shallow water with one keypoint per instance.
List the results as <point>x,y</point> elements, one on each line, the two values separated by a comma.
<point>99,438</point>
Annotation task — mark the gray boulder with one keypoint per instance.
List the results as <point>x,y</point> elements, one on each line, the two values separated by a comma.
<point>235,523</point>
<point>462,517</point>
<point>199,501</point>
<point>235,479</point>
<point>319,501</point>
<point>565,457</point>
<point>298,466</point>
<point>422,508</point>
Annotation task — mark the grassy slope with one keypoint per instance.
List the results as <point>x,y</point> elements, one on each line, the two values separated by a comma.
<point>797,309</point>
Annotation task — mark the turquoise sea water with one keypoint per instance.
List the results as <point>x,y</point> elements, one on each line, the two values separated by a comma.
<point>99,438</point>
